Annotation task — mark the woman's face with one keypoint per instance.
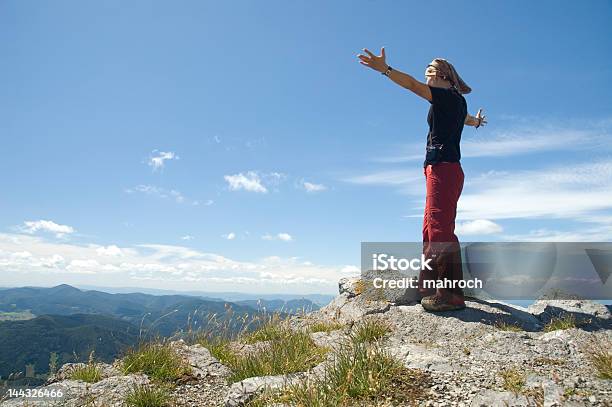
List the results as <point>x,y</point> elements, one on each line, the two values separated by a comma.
<point>430,75</point>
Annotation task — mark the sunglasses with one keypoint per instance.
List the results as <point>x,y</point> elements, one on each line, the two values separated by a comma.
<point>431,70</point>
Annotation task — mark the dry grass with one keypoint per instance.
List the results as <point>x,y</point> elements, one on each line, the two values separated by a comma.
<point>599,354</point>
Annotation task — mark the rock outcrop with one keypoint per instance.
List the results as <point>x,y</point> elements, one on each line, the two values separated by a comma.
<point>489,354</point>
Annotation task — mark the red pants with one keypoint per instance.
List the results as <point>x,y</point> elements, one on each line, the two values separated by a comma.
<point>444,185</point>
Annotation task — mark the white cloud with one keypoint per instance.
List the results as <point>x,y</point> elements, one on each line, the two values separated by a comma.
<point>158,158</point>
<point>593,233</point>
<point>249,182</point>
<point>310,187</point>
<point>111,250</point>
<point>27,259</point>
<point>478,227</point>
<point>47,226</point>
<point>407,181</point>
<point>163,193</point>
<point>286,237</point>
<point>230,236</point>
<point>253,181</point>
<point>187,237</point>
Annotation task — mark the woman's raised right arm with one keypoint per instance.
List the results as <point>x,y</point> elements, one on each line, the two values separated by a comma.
<point>379,64</point>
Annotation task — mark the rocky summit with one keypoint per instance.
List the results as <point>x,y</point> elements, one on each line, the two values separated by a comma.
<point>554,353</point>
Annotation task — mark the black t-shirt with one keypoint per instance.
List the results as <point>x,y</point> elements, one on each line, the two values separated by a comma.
<point>446,118</point>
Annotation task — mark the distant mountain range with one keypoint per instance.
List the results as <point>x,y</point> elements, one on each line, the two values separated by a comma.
<point>71,321</point>
<point>318,299</point>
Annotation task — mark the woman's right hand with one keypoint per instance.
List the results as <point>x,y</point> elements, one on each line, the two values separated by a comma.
<point>378,63</point>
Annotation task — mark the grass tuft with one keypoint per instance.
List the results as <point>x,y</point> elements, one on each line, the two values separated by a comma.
<point>157,360</point>
<point>272,329</point>
<point>218,346</point>
<point>564,322</point>
<point>514,380</point>
<point>325,326</point>
<point>146,396</point>
<point>359,373</point>
<point>290,352</point>
<point>504,326</point>
<point>600,356</point>
<point>370,330</point>
<point>90,373</point>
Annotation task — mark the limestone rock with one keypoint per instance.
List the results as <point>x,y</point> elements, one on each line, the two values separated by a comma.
<point>243,391</point>
<point>109,392</point>
<point>202,363</point>
<point>398,296</point>
<point>349,309</point>
<point>589,315</point>
<point>349,285</point>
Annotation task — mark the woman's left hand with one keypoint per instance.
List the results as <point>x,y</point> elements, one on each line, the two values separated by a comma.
<point>378,63</point>
<point>482,119</point>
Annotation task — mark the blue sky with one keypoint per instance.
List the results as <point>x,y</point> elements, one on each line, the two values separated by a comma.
<point>241,146</point>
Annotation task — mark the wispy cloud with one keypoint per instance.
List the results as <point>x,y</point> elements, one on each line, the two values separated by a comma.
<point>407,181</point>
<point>229,236</point>
<point>158,158</point>
<point>478,227</point>
<point>572,191</point>
<point>187,237</point>
<point>34,226</point>
<point>593,233</point>
<point>286,237</point>
<point>312,187</point>
<point>518,141</point>
<point>163,193</point>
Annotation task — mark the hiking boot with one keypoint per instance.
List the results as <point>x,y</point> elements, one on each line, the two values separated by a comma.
<point>437,303</point>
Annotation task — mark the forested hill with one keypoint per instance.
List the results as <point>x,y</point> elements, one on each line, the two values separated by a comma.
<point>70,337</point>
